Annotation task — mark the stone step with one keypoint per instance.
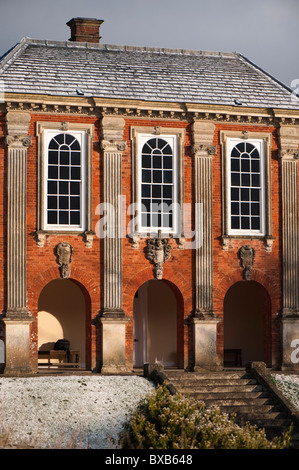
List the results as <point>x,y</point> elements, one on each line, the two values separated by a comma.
<point>218,388</point>
<point>249,409</point>
<point>213,382</point>
<point>282,424</point>
<point>258,414</point>
<point>250,402</point>
<point>181,375</point>
<point>234,392</point>
<point>238,395</point>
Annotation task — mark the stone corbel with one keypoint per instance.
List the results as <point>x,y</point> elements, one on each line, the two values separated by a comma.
<point>40,238</point>
<point>181,243</point>
<point>269,243</point>
<point>88,238</point>
<point>135,239</point>
<point>225,242</point>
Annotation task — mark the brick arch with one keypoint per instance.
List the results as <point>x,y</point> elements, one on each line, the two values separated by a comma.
<point>80,277</point>
<point>183,297</point>
<point>131,285</point>
<point>89,289</point>
<point>264,281</point>
<point>228,280</point>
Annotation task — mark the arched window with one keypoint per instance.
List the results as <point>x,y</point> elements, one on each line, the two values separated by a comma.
<point>158,185</point>
<point>64,181</point>
<point>246,188</point>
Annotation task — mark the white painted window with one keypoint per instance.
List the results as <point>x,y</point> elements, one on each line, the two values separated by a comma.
<point>158,185</point>
<point>64,180</point>
<point>246,187</point>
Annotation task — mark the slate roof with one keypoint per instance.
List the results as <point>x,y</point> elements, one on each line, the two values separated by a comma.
<point>140,73</point>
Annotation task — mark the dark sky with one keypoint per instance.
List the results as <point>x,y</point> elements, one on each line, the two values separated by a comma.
<point>264,31</point>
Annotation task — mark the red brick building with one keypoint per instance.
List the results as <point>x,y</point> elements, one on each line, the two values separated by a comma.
<point>149,207</point>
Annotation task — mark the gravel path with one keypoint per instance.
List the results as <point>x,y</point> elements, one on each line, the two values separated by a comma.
<point>55,412</point>
<point>72,411</point>
<point>289,386</point>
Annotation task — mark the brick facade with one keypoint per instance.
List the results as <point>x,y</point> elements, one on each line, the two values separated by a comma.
<point>201,321</point>
<point>86,263</point>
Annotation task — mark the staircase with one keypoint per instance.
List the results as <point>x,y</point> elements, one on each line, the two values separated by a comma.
<point>235,392</point>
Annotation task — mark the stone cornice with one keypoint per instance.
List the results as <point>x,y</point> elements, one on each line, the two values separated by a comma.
<point>149,110</point>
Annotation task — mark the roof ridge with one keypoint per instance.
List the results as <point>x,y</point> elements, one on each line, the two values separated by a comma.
<point>125,48</point>
<point>265,73</point>
<point>12,52</point>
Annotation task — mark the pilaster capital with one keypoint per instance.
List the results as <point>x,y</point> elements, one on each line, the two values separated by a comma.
<point>202,150</point>
<point>289,142</point>
<point>18,141</point>
<point>202,139</point>
<point>17,124</point>
<point>113,145</point>
<point>112,132</point>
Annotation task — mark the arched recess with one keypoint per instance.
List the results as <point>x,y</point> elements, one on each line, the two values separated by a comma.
<point>247,319</point>
<point>158,324</point>
<point>64,313</point>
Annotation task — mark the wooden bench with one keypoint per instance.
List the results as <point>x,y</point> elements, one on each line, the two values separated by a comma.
<point>62,357</point>
<point>233,357</point>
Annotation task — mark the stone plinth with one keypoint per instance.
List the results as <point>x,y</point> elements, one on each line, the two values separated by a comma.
<point>114,345</point>
<point>290,343</point>
<point>17,346</point>
<point>205,343</point>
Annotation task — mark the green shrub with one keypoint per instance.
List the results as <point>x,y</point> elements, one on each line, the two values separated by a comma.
<point>165,421</point>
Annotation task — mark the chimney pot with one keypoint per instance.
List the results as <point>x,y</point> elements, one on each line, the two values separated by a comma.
<point>85,30</point>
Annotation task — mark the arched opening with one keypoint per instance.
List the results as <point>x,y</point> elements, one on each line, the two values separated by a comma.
<point>62,314</point>
<point>156,324</point>
<point>247,310</point>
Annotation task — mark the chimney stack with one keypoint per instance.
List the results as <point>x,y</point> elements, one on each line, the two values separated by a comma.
<point>85,30</point>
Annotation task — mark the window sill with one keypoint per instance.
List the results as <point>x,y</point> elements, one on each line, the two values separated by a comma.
<point>41,235</point>
<point>267,239</point>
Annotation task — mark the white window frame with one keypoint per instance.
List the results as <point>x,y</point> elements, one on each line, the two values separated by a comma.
<point>176,138</point>
<point>228,140</point>
<point>259,145</point>
<point>171,140</point>
<point>80,137</point>
<point>84,134</point>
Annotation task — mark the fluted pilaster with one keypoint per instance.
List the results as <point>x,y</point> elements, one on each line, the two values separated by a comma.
<point>17,144</point>
<point>289,154</point>
<point>113,146</point>
<point>17,317</point>
<point>204,319</point>
<point>203,150</point>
